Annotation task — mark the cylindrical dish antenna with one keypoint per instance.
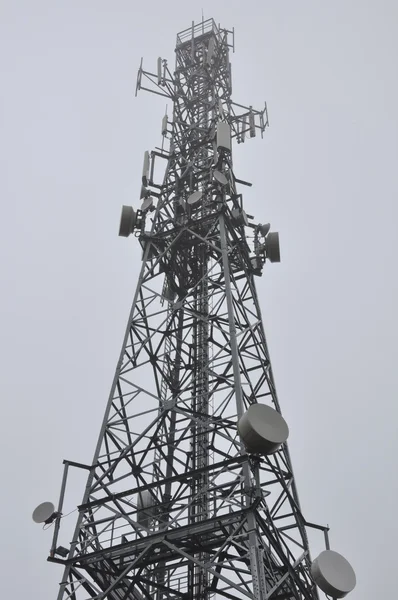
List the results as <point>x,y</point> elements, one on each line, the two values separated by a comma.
<point>262,429</point>
<point>272,249</point>
<point>128,220</point>
<point>333,574</point>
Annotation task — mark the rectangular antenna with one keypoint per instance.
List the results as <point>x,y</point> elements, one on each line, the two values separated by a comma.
<point>164,125</point>
<point>244,127</point>
<point>252,124</point>
<point>220,109</point>
<point>223,135</point>
<point>152,167</point>
<point>159,71</point>
<point>210,50</point>
<point>145,169</point>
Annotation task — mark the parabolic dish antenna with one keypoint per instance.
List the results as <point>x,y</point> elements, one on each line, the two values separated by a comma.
<point>144,192</point>
<point>127,221</point>
<point>333,574</point>
<point>43,512</point>
<point>194,198</point>
<point>262,429</point>
<point>147,204</point>
<point>264,229</point>
<point>220,177</point>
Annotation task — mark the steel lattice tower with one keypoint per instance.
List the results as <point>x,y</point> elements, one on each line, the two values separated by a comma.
<point>175,506</point>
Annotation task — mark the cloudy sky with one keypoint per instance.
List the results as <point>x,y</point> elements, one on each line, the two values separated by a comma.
<point>71,147</point>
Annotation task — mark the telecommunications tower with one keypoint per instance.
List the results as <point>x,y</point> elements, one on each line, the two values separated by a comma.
<point>191,493</point>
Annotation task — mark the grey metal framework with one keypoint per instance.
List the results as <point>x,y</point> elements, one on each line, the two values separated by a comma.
<point>174,507</point>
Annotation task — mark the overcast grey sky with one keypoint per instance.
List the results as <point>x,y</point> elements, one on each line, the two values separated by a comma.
<point>71,148</point>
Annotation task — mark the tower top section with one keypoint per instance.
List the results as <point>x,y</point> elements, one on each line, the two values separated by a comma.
<point>201,82</point>
<point>204,29</point>
<point>199,182</point>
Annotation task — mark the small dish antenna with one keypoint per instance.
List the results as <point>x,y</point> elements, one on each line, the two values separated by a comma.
<point>144,192</point>
<point>43,513</point>
<point>220,177</point>
<point>239,217</point>
<point>147,204</point>
<point>264,229</point>
<point>195,198</point>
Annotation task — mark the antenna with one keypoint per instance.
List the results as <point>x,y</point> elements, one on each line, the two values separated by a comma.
<point>44,513</point>
<point>272,250</point>
<point>264,229</point>
<point>333,574</point>
<point>164,125</point>
<point>145,169</point>
<point>220,177</point>
<point>128,221</point>
<point>252,126</point>
<point>262,429</point>
<point>147,204</point>
<point>223,135</point>
<point>221,109</point>
<point>194,198</point>
<point>159,71</point>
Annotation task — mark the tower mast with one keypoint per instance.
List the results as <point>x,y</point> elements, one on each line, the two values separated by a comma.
<point>191,493</point>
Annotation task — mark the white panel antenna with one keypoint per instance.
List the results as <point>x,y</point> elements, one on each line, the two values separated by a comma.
<point>164,125</point>
<point>244,129</point>
<point>252,124</point>
<point>223,135</point>
<point>210,50</point>
<point>221,109</point>
<point>145,169</point>
<point>159,71</point>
